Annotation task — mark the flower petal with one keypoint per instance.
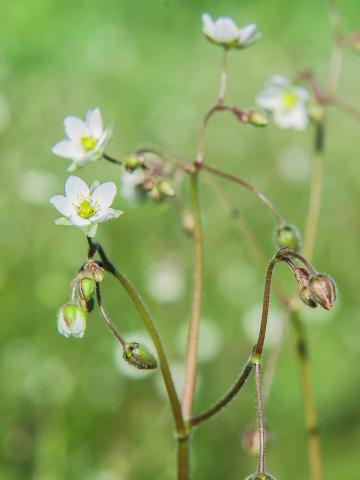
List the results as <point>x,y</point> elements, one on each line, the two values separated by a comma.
<point>225,30</point>
<point>95,123</point>
<point>76,128</point>
<point>67,149</point>
<point>208,24</point>
<point>104,214</point>
<point>269,99</point>
<point>62,204</point>
<point>104,194</point>
<point>90,230</point>
<point>62,221</point>
<point>295,118</point>
<point>78,221</point>
<point>246,32</point>
<point>76,188</point>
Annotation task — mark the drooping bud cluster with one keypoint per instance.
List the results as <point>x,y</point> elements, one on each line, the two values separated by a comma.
<point>287,236</point>
<point>139,356</point>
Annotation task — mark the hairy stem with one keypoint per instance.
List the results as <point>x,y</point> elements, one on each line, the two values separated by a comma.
<point>112,159</point>
<point>194,327</point>
<point>315,192</point>
<point>260,418</point>
<point>309,401</point>
<point>226,399</point>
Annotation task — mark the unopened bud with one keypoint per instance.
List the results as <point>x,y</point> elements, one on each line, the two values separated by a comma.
<point>154,193</point>
<point>86,293</point>
<point>260,476</point>
<point>132,162</point>
<point>257,118</point>
<point>188,223</point>
<point>288,236</point>
<point>71,321</point>
<point>166,189</point>
<point>323,290</point>
<point>316,112</point>
<point>306,297</point>
<point>139,356</point>
<point>94,271</point>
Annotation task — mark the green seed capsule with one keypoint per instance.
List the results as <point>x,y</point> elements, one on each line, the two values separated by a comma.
<point>132,162</point>
<point>139,356</point>
<point>288,236</point>
<point>86,288</point>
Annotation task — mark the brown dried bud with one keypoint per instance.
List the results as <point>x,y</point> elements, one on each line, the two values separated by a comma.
<point>323,290</point>
<point>306,297</point>
<point>94,271</point>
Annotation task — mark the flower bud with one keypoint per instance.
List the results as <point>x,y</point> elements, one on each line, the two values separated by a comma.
<point>166,189</point>
<point>71,321</point>
<point>288,236</point>
<point>86,293</point>
<point>154,193</point>
<point>139,356</point>
<point>306,297</point>
<point>188,224</point>
<point>132,162</point>
<point>323,290</point>
<point>260,476</point>
<point>257,119</point>
<point>94,271</point>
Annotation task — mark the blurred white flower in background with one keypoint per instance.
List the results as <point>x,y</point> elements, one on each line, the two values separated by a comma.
<point>226,33</point>
<point>130,183</point>
<point>84,207</point>
<point>211,340</point>
<point>165,280</point>
<point>286,102</point>
<point>250,323</point>
<point>124,367</point>
<point>294,164</point>
<point>86,139</point>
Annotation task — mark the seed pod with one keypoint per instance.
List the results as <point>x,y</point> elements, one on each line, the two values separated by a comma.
<point>139,356</point>
<point>323,290</point>
<point>132,162</point>
<point>71,321</point>
<point>288,236</point>
<point>86,288</point>
<point>260,476</point>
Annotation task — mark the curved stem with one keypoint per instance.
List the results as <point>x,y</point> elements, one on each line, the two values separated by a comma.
<point>187,167</point>
<point>247,186</point>
<point>107,319</point>
<point>345,107</point>
<point>153,332</point>
<point>315,193</point>
<point>111,159</point>
<point>194,327</point>
<point>309,401</point>
<point>224,401</point>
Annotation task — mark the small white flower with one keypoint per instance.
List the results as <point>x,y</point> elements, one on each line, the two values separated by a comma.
<point>71,321</point>
<point>85,207</point>
<point>286,102</point>
<point>86,139</point>
<point>225,32</point>
<point>130,181</point>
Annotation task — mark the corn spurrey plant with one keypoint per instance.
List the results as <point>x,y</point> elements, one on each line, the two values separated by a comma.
<point>151,174</point>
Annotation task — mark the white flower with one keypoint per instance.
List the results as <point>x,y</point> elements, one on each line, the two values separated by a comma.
<point>286,102</point>
<point>225,32</point>
<point>85,207</point>
<point>130,181</point>
<point>71,321</point>
<point>86,139</point>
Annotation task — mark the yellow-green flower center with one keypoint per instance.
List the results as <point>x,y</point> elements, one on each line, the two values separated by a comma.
<point>88,143</point>
<point>85,209</point>
<point>289,99</point>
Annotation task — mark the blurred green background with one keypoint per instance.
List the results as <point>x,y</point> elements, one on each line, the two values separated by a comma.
<point>69,410</point>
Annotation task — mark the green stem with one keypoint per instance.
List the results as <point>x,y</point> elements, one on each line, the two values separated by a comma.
<point>194,327</point>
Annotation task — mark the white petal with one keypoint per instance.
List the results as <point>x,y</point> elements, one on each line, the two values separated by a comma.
<point>301,93</point>
<point>90,230</point>
<point>78,221</point>
<point>94,186</point>
<point>225,30</point>
<point>105,214</point>
<point>76,128</point>
<point>246,32</point>
<point>104,194</point>
<point>67,149</point>
<point>75,188</point>
<point>269,99</point>
<point>95,123</point>
<point>278,81</point>
<point>62,204</point>
<point>294,118</point>
<point>208,24</point>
